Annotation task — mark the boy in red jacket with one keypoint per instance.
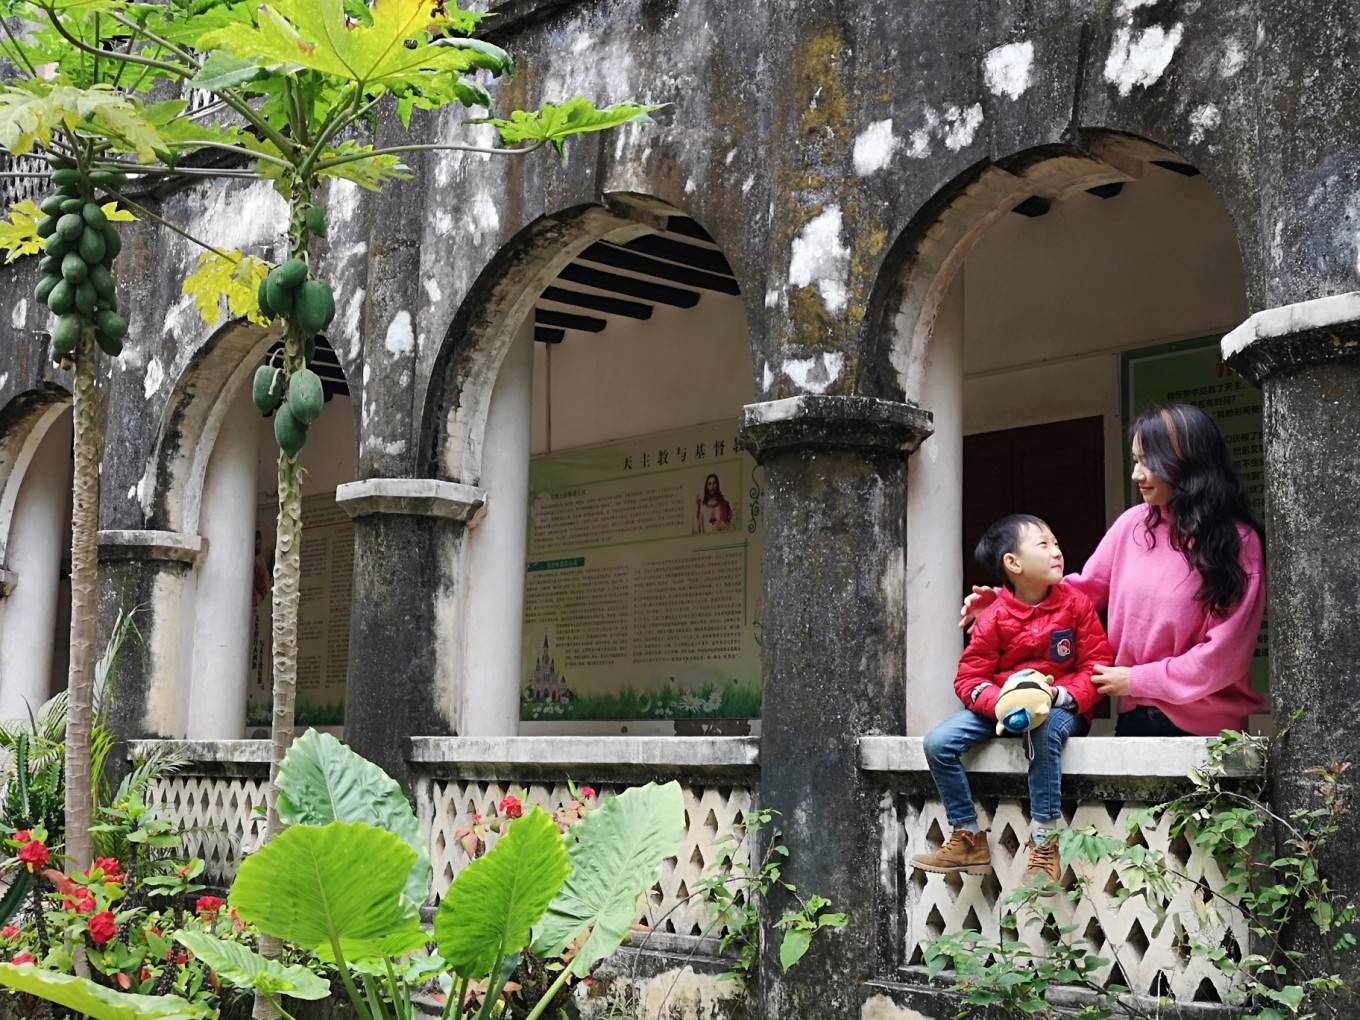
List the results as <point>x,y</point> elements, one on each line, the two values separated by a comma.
<point>1037,623</point>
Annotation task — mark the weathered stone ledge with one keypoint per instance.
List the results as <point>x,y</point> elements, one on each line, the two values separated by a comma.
<point>206,752</point>
<point>419,497</point>
<point>1105,758</point>
<point>170,546</point>
<point>642,752</point>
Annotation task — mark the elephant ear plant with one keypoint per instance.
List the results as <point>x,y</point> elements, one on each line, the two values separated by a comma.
<point>343,883</point>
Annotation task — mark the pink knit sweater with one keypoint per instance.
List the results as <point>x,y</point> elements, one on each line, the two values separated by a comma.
<point>1192,665</point>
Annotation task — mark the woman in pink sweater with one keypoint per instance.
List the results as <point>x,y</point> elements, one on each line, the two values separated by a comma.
<point>1182,580</point>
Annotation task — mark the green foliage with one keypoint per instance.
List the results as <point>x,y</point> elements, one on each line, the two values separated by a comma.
<point>97,1001</point>
<point>491,908</point>
<point>244,968</point>
<point>322,781</point>
<point>19,233</point>
<point>556,122</point>
<point>234,276</point>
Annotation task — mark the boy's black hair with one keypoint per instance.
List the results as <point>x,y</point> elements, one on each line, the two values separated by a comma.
<point>1001,538</point>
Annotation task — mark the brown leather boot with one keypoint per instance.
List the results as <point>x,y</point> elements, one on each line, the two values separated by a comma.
<point>1043,864</point>
<point>965,852</point>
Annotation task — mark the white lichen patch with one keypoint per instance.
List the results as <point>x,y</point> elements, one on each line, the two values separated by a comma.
<point>1204,119</point>
<point>432,290</point>
<point>818,258</point>
<point>880,1007</point>
<point>815,374</point>
<point>349,320</point>
<point>401,338</point>
<point>748,184</point>
<point>766,378</point>
<point>19,314</point>
<point>874,147</point>
<point>918,143</point>
<point>772,297</point>
<point>1006,69</point>
<point>151,382</point>
<point>1139,59</point>
<point>1233,60</point>
<point>342,201</point>
<point>961,125</point>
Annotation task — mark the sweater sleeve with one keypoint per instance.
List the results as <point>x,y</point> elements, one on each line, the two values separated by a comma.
<point>977,668</point>
<point>1218,661</point>
<point>1093,649</point>
<point>1094,579</point>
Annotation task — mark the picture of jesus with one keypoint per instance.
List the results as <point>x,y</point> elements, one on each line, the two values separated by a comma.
<point>712,511</point>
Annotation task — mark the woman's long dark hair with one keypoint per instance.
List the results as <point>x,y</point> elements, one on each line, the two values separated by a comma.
<point>1182,446</point>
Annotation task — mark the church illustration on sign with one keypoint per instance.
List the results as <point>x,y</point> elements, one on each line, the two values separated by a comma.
<point>547,685</point>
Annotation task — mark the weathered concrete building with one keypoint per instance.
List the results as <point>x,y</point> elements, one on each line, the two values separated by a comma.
<point>922,259</point>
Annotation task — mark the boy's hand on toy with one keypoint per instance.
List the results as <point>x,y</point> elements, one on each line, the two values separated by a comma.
<point>1024,703</point>
<point>980,599</point>
<point>1111,681</point>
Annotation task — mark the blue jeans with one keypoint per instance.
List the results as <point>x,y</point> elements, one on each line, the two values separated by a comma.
<point>947,741</point>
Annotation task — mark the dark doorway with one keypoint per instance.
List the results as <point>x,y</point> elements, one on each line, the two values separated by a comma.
<point>1055,471</point>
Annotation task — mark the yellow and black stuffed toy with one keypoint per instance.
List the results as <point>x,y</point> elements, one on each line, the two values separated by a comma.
<point>1024,704</point>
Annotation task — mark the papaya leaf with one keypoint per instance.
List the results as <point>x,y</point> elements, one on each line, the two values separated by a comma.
<point>313,885</point>
<point>215,277</point>
<point>116,215</point>
<point>222,71</point>
<point>321,780</point>
<point>96,1001</point>
<point>615,858</point>
<point>496,900</point>
<point>242,967</point>
<point>19,233</point>
<point>370,172</point>
<point>556,122</point>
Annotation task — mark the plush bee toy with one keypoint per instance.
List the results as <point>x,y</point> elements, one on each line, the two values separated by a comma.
<point>1026,698</point>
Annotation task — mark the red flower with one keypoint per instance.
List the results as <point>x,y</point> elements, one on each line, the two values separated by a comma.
<point>34,855</point>
<point>181,960</point>
<point>587,793</point>
<point>22,836</point>
<point>124,982</point>
<point>207,906</point>
<point>22,958</point>
<point>511,806</point>
<point>144,974</point>
<point>9,932</point>
<point>113,871</point>
<point>103,928</point>
<point>82,902</point>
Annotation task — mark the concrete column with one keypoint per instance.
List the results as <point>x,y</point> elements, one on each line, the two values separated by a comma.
<point>834,670</point>
<point>215,708</point>
<point>406,622</point>
<point>1306,359</point>
<point>497,545</point>
<point>34,554</point>
<point>935,526</point>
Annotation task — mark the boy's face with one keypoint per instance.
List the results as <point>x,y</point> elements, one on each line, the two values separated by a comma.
<point>1036,557</point>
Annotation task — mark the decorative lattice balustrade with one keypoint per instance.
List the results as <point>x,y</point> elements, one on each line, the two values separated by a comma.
<point>459,777</point>
<point>217,800</point>
<point>1109,779</point>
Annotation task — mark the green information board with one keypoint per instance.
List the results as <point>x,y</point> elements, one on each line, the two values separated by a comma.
<point>1191,372</point>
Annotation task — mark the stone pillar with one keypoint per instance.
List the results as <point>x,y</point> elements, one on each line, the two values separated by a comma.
<point>497,543</point>
<point>151,571</point>
<point>1306,359</point>
<point>834,670</point>
<point>405,626</point>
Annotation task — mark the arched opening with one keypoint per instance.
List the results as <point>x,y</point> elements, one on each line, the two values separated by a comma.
<point>613,579</point>
<point>215,478</point>
<point>35,550</point>
<point>1036,306</point>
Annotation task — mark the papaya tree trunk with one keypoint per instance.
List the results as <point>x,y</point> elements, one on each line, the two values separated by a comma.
<point>84,568</point>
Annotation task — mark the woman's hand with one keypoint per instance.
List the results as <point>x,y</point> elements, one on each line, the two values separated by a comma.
<point>975,603</point>
<point>1112,681</point>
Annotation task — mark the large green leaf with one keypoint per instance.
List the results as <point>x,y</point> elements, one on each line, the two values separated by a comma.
<point>96,1001</point>
<point>488,913</point>
<point>242,967</point>
<point>312,884</point>
<point>616,857</point>
<point>556,122</point>
<point>321,781</point>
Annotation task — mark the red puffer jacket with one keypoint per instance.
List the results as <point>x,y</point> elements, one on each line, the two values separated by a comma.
<point>1061,636</point>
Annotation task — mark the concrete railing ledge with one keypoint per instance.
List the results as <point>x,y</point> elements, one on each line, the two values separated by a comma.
<point>1089,757</point>
<point>659,752</point>
<point>419,497</point>
<point>207,752</point>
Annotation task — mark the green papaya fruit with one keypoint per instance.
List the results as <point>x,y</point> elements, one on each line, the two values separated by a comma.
<point>51,205</point>
<point>314,305</point>
<point>70,226</point>
<point>102,280</point>
<point>113,244</point>
<point>110,302</point>
<point>56,245</point>
<point>44,288</point>
<point>48,265</point>
<point>111,324</point>
<point>110,345</point>
<point>309,349</point>
<point>316,221</point>
<point>91,246</point>
<point>66,334</point>
<point>47,226</point>
<point>73,267</point>
<point>70,205</point>
<point>86,298</point>
<point>306,397</point>
<point>108,178</point>
<point>291,274</point>
<point>66,177</point>
<point>93,215</point>
<point>262,298</point>
<point>278,297</point>
<point>261,390</point>
<point>61,300</point>
<point>289,432</point>
<point>60,162</point>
